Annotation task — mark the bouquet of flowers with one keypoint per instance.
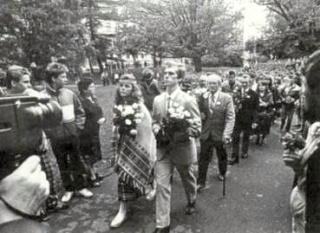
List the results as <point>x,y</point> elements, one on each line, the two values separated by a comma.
<point>175,128</point>
<point>292,141</point>
<point>127,117</point>
<point>236,95</point>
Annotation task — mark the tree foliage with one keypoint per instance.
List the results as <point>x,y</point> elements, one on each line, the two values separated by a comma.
<point>35,31</point>
<point>183,28</point>
<point>292,26</point>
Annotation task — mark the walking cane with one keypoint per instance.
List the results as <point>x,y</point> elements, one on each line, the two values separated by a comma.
<point>224,186</point>
<point>224,176</point>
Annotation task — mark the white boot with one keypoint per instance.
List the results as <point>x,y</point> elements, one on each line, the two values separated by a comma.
<point>121,215</point>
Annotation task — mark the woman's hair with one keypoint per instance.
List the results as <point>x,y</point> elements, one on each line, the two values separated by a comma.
<point>15,73</point>
<point>53,70</point>
<point>84,84</point>
<point>262,83</point>
<point>311,71</point>
<point>135,96</point>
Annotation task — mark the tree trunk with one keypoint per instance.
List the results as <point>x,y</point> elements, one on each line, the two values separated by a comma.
<point>197,64</point>
<point>90,64</point>
<point>154,58</point>
<point>100,64</point>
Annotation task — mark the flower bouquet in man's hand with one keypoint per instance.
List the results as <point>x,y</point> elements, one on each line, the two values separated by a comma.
<point>177,124</point>
<point>236,96</point>
<point>127,117</point>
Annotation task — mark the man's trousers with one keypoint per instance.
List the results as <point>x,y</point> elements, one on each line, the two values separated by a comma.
<point>163,175</point>
<point>207,147</point>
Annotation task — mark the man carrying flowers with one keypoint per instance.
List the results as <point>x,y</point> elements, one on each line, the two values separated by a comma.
<point>176,123</point>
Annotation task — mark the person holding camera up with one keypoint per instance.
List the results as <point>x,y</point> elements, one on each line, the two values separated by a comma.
<point>18,84</point>
<point>65,137</point>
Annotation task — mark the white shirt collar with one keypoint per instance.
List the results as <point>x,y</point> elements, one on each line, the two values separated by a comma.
<point>216,94</point>
<point>173,94</point>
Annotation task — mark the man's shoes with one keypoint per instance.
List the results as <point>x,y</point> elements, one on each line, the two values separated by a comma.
<point>60,206</point>
<point>233,161</point>
<point>221,177</point>
<point>244,155</point>
<point>191,208</point>
<point>201,187</point>
<point>67,196</point>
<point>95,183</point>
<point>162,230</point>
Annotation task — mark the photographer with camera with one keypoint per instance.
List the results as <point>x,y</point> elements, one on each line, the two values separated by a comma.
<point>65,137</point>
<point>35,112</point>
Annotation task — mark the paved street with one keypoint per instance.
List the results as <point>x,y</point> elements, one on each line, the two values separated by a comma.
<point>257,201</point>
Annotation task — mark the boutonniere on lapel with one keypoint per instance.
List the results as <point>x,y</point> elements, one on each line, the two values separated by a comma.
<point>206,95</point>
<point>175,105</point>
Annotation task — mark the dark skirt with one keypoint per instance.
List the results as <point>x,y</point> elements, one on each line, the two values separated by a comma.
<point>264,124</point>
<point>126,191</point>
<point>90,148</point>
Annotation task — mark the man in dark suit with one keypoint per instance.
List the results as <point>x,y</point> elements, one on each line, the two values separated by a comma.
<point>245,119</point>
<point>180,153</point>
<point>218,117</point>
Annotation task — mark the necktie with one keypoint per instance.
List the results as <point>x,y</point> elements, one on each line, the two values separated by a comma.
<point>168,104</point>
<point>213,99</point>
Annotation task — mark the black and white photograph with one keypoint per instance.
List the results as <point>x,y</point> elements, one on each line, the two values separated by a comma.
<point>159,116</point>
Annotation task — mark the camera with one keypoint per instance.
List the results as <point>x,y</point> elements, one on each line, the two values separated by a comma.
<point>22,121</point>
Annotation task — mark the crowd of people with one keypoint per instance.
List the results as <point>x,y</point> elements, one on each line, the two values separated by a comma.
<point>179,120</point>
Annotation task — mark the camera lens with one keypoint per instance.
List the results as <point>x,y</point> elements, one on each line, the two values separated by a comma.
<point>43,115</point>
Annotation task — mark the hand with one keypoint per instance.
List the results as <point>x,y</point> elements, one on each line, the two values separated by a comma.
<point>203,116</point>
<point>112,161</point>
<point>292,159</point>
<point>314,134</point>
<point>226,140</point>
<point>26,188</point>
<point>101,121</point>
<point>156,129</point>
<point>254,125</point>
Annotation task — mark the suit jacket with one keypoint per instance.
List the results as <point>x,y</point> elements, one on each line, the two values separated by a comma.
<point>293,92</point>
<point>181,152</point>
<point>149,91</point>
<point>225,87</point>
<point>249,104</point>
<point>219,118</point>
